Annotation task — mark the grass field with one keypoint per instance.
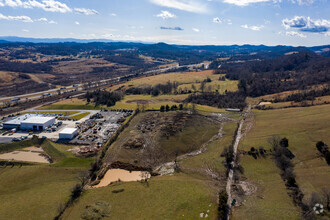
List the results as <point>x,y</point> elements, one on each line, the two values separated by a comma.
<point>186,81</point>
<point>129,102</point>
<point>79,116</point>
<point>8,147</point>
<point>271,200</point>
<point>303,127</point>
<point>155,102</point>
<point>36,191</point>
<point>212,156</point>
<point>215,85</point>
<point>187,77</point>
<point>72,104</point>
<point>168,197</point>
<point>32,192</point>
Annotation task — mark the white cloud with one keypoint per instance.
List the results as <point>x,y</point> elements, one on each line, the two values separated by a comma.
<point>46,21</point>
<point>244,2</point>
<point>297,22</point>
<point>46,5</point>
<point>86,11</point>
<point>303,2</point>
<point>217,20</point>
<point>253,27</point>
<point>196,29</point>
<point>295,34</point>
<point>22,18</point>
<point>306,24</point>
<point>77,22</point>
<point>229,22</point>
<point>25,30</point>
<point>113,14</point>
<point>184,5</point>
<point>166,15</point>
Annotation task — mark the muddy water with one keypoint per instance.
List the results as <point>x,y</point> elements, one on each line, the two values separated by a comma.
<point>113,175</point>
<point>24,156</point>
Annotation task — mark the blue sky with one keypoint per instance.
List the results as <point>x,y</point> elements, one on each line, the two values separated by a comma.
<point>193,22</point>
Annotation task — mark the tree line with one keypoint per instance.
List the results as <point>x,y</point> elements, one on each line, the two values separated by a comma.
<point>304,95</point>
<point>296,71</point>
<point>227,100</point>
<point>24,67</point>
<point>101,97</point>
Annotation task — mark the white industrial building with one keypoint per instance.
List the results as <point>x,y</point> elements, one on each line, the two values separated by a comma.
<point>30,122</point>
<point>37,123</point>
<point>68,133</point>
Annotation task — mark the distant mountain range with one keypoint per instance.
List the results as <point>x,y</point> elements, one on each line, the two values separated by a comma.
<point>145,46</point>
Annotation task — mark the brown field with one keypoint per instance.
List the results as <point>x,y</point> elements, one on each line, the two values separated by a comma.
<point>188,77</point>
<point>81,66</point>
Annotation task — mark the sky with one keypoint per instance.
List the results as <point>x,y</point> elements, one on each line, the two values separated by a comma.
<point>185,22</point>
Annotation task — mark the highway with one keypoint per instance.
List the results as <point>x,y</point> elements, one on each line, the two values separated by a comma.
<point>80,87</point>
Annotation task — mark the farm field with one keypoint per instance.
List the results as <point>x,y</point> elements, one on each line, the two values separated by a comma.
<point>155,102</point>
<point>186,81</point>
<point>185,77</point>
<point>129,102</point>
<point>303,127</point>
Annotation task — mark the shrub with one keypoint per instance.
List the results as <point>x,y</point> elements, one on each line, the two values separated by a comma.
<point>284,142</point>
<point>97,211</point>
<point>223,207</point>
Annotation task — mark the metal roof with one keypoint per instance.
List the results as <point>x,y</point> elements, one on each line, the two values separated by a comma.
<point>38,120</point>
<point>68,130</point>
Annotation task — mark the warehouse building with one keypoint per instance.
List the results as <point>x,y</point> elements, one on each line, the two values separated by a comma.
<point>68,133</point>
<point>30,122</point>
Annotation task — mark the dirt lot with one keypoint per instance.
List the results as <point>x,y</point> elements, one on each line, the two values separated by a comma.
<point>28,156</point>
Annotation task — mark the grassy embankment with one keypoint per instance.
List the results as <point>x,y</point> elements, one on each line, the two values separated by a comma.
<point>36,190</point>
<point>303,127</point>
<point>182,195</point>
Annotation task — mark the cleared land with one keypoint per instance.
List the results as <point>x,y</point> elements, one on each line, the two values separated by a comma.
<point>186,81</point>
<point>149,128</point>
<point>303,127</point>
<point>185,195</point>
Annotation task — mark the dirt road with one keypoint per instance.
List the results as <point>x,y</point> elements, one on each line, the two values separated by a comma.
<point>233,164</point>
